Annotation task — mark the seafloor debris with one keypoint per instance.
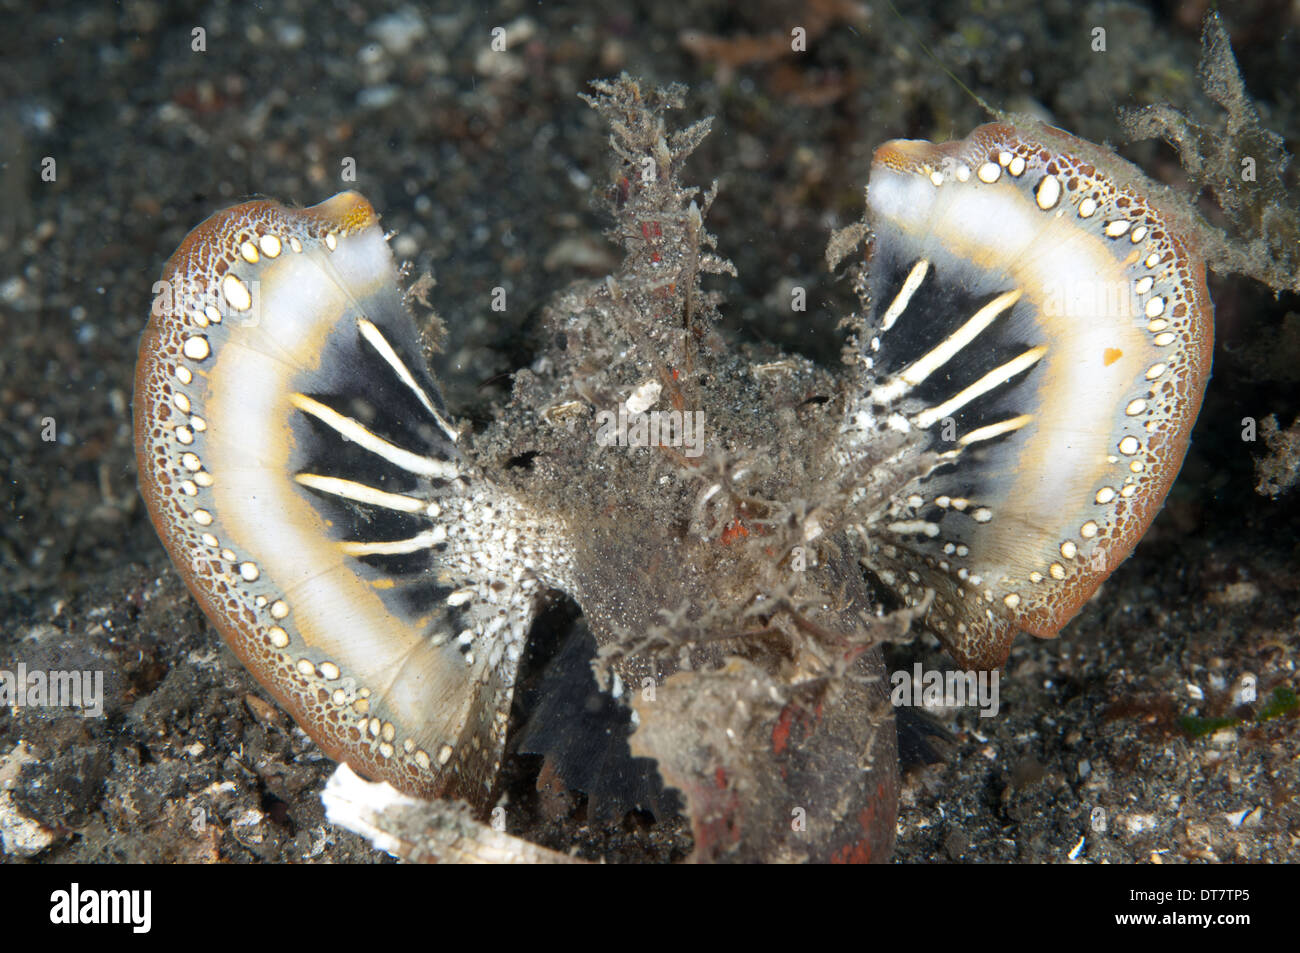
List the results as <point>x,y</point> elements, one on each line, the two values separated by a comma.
<point>1240,163</point>
<point>1280,469</point>
<point>423,831</point>
<point>20,835</point>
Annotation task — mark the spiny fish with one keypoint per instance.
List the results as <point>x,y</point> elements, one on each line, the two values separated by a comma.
<point>1037,314</point>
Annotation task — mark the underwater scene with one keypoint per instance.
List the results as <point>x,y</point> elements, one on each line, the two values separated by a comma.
<point>849,432</point>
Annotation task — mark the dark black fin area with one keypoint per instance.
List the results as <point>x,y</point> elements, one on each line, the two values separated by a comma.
<point>936,309</point>
<point>388,313</point>
<point>1003,402</point>
<point>322,450</point>
<point>918,734</point>
<point>354,379</point>
<point>420,596</point>
<point>584,732</point>
<point>402,565</point>
<point>951,293</point>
